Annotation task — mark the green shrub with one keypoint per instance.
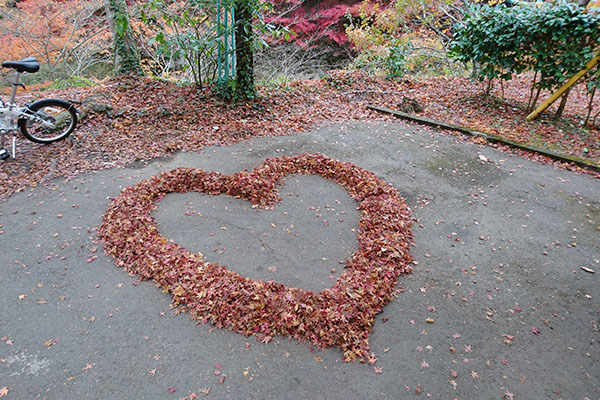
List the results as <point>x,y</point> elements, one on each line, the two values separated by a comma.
<point>555,40</point>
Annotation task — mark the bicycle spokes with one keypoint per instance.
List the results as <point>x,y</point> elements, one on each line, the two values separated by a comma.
<point>48,121</point>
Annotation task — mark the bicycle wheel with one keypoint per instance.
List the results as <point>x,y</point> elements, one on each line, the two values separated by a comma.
<point>48,121</point>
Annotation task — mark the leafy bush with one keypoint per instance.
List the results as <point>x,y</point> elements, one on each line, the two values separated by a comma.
<point>402,36</point>
<point>183,36</point>
<point>395,62</point>
<point>555,40</point>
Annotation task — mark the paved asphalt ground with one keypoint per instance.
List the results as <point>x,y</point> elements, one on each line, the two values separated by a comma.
<point>500,246</point>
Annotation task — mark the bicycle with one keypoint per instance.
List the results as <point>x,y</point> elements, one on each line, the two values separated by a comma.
<point>44,121</point>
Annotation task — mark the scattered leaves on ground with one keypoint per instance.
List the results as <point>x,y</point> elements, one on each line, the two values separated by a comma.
<point>151,118</point>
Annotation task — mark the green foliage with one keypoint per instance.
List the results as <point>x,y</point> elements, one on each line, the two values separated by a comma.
<point>189,36</point>
<point>338,80</point>
<point>245,39</point>
<point>73,81</point>
<point>185,36</point>
<point>554,39</point>
<point>122,22</point>
<point>395,62</point>
<point>127,58</point>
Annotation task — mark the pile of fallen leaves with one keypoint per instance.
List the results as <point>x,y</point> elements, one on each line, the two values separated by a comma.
<point>342,315</point>
<point>131,119</point>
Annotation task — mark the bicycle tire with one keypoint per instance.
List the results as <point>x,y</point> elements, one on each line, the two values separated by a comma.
<point>60,113</point>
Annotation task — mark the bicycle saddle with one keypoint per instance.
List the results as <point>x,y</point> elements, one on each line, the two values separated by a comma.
<point>28,64</point>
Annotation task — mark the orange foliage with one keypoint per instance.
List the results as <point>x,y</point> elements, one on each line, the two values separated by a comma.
<point>51,30</point>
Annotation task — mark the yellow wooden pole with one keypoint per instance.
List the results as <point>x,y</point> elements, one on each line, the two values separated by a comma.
<point>591,64</point>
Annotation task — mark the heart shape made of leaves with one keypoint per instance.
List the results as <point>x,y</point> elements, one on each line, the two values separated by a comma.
<point>342,315</point>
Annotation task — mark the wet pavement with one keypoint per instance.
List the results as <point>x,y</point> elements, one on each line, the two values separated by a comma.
<point>500,305</point>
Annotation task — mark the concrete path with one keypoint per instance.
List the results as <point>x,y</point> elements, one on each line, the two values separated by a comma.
<point>500,246</point>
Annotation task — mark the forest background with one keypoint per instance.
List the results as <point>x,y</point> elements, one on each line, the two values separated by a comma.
<point>478,65</point>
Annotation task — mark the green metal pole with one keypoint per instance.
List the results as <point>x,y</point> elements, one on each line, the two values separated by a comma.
<point>232,41</point>
<point>226,37</point>
<point>219,53</point>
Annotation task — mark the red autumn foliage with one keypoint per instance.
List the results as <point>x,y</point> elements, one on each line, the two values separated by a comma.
<point>323,22</point>
<point>342,315</point>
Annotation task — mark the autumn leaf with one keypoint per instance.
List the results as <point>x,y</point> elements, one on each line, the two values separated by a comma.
<point>508,339</point>
<point>3,391</point>
<point>418,389</point>
<point>266,339</point>
<point>508,395</point>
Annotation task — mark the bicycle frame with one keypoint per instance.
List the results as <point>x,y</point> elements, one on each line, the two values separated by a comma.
<point>10,113</point>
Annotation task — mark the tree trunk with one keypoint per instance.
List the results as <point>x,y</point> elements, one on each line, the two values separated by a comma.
<point>563,103</point>
<point>244,44</point>
<point>529,105</point>
<point>488,87</point>
<point>127,59</point>
<point>535,100</point>
<point>594,120</point>
<point>590,106</point>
